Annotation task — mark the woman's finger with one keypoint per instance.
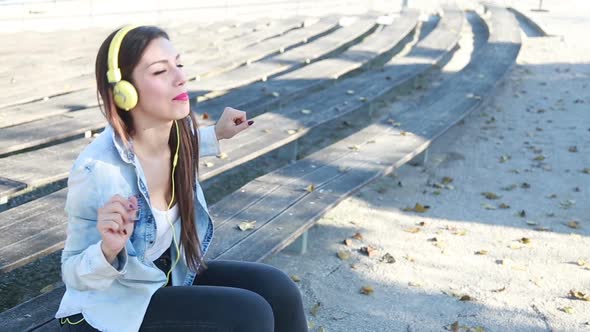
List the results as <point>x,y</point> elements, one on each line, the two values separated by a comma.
<point>129,204</point>
<point>117,207</point>
<point>108,225</point>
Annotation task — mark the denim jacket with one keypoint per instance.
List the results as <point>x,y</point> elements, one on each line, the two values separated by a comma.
<point>115,297</point>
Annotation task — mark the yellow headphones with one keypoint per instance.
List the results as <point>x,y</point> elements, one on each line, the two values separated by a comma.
<point>125,96</point>
<point>124,92</point>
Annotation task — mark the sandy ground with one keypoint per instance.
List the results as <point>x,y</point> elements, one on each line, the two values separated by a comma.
<point>504,264</point>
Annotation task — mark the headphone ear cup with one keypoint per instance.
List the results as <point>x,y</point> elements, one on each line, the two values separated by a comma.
<point>125,95</point>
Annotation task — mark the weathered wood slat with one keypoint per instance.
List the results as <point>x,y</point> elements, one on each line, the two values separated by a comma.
<point>371,85</point>
<point>37,168</point>
<point>270,30</point>
<point>279,44</point>
<point>58,127</point>
<point>255,143</point>
<point>86,98</point>
<point>291,59</point>
<point>74,67</point>
<point>260,96</point>
<point>67,79</point>
<point>423,123</point>
<point>40,132</point>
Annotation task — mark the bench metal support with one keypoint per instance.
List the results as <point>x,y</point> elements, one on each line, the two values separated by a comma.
<point>420,159</point>
<point>299,246</point>
<point>289,151</point>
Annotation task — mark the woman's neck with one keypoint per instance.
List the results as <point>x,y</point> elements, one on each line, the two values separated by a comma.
<point>152,141</point>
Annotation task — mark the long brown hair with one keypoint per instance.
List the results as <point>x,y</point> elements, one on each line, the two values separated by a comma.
<point>132,48</point>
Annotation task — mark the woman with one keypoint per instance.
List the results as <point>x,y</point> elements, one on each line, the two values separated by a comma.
<point>138,226</point>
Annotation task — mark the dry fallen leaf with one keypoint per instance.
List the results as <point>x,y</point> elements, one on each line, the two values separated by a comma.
<point>222,156</point>
<point>310,188</point>
<point>387,258</point>
<point>412,230</point>
<point>466,298</point>
<point>510,187</point>
<point>414,284</point>
<point>418,208</point>
<point>343,169</point>
<point>209,164</point>
<point>481,252</point>
<point>499,290</point>
<point>567,310</point>
<point>347,242</point>
<point>354,147</point>
<point>488,206</point>
<point>573,224</point>
<point>579,295</point>
<point>447,180</point>
<point>525,240</point>
<point>369,251</point>
<point>358,236</point>
<point>567,203</point>
<point>343,254</point>
<point>367,290</point>
<point>246,225</point>
<point>504,206</point>
<point>291,131</point>
<point>295,278</point>
<point>314,310</point>
<point>205,116</point>
<point>490,195</point>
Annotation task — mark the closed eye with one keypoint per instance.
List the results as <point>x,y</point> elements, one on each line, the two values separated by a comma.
<point>164,70</point>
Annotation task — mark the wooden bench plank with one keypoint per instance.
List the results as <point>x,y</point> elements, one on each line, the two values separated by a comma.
<point>294,58</point>
<point>70,79</point>
<point>279,44</point>
<point>370,86</point>
<point>39,132</point>
<point>58,127</point>
<point>260,96</point>
<point>86,98</point>
<point>66,61</point>
<point>435,114</point>
<point>255,143</point>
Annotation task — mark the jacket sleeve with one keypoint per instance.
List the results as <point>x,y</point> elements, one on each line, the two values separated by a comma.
<point>208,142</point>
<point>83,264</point>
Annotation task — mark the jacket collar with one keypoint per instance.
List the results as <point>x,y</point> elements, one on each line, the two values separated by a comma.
<point>125,151</point>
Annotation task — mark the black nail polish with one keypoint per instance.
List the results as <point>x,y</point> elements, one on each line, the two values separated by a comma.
<point>250,122</point>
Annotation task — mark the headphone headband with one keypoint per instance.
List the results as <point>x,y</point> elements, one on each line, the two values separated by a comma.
<point>114,72</point>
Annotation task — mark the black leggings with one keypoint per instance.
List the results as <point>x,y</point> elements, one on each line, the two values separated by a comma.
<point>232,296</point>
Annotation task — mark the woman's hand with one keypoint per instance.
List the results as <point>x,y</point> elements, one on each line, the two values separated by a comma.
<point>115,224</point>
<point>231,122</point>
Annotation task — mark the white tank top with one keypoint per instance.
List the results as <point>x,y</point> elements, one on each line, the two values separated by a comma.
<point>163,231</point>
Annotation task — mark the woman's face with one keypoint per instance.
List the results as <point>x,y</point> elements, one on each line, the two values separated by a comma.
<point>159,79</point>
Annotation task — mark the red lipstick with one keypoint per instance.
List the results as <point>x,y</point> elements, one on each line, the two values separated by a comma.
<point>182,96</point>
